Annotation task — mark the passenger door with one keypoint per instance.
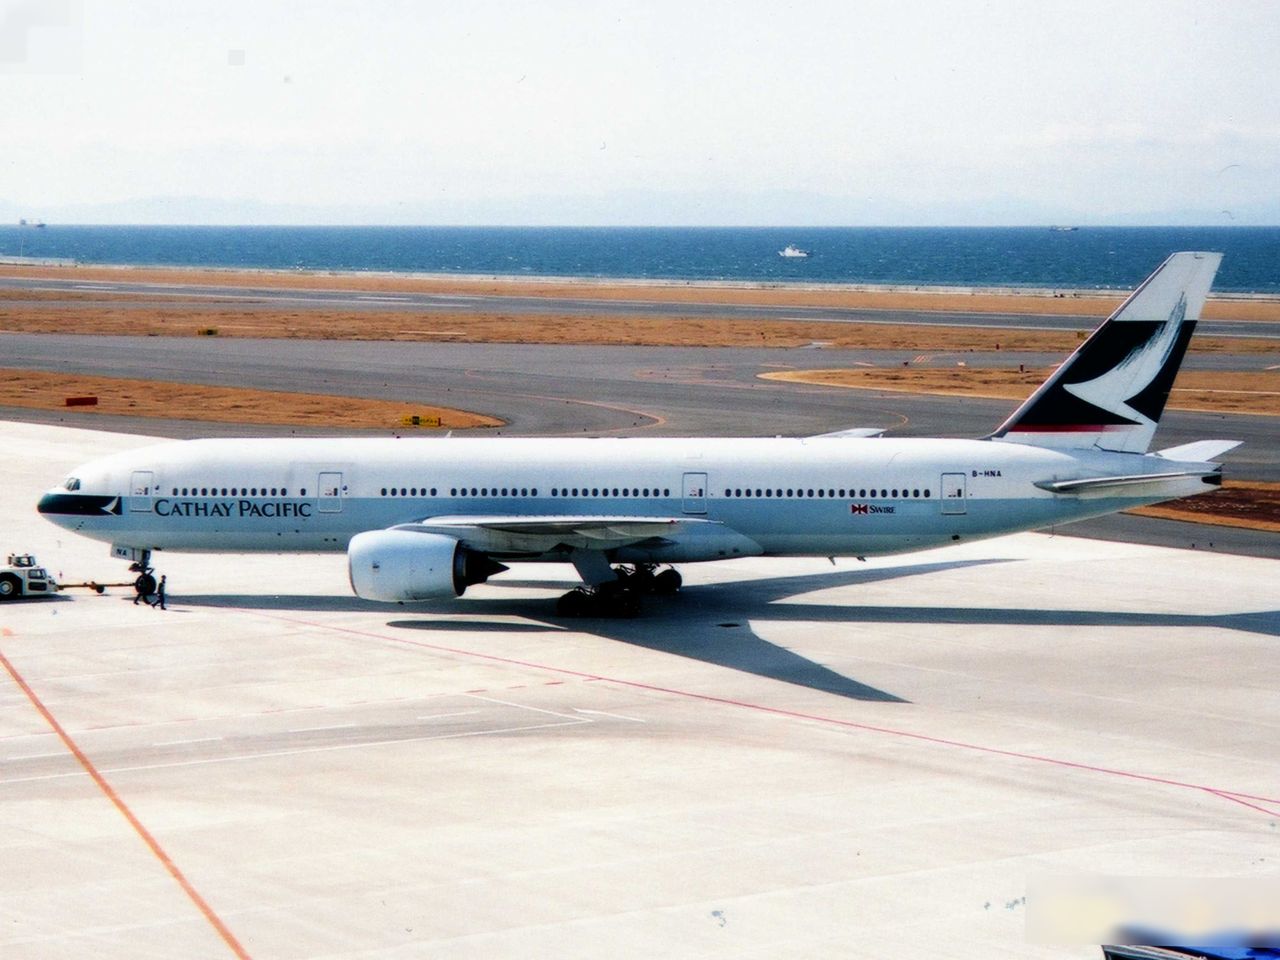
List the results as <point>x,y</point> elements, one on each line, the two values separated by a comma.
<point>142,487</point>
<point>954,488</point>
<point>695,493</point>
<point>329,496</point>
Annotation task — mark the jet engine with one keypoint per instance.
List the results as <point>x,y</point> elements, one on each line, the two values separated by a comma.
<point>398,565</point>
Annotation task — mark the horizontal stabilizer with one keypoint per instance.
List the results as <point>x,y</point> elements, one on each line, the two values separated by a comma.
<point>1201,451</point>
<point>1108,483</point>
<point>853,432</point>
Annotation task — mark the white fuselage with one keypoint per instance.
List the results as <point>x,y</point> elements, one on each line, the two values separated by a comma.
<point>819,496</point>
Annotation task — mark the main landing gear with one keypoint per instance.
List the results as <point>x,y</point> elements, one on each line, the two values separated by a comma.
<point>619,597</point>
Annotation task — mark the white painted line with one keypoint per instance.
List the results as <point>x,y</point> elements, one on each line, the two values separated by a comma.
<point>441,716</point>
<point>572,721</point>
<point>174,743</point>
<point>332,726</point>
<point>605,713</point>
<point>386,299</point>
<point>521,706</point>
<point>39,756</point>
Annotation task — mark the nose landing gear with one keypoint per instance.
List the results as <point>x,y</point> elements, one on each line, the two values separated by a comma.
<point>144,585</point>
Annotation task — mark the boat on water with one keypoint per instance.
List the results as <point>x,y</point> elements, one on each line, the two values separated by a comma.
<point>790,251</point>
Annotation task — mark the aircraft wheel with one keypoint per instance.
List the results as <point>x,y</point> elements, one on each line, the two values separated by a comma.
<point>667,582</point>
<point>145,585</point>
<point>623,603</point>
<point>9,587</point>
<point>573,604</point>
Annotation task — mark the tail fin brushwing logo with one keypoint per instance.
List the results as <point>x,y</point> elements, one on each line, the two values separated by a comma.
<point>1124,393</point>
<point>1112,391</point>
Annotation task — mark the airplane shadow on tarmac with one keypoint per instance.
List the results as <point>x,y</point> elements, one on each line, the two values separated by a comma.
<point>709,623</point>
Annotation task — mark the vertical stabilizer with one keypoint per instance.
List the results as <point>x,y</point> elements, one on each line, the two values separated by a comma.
<point>1111,392</point>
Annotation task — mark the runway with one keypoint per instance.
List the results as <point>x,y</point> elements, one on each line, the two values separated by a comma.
<point>195,298</point>
<point>789,759</point>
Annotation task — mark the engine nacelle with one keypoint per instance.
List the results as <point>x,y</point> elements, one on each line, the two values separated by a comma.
<point>399,565</point>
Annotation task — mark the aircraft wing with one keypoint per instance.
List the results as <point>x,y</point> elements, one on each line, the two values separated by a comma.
<point>538,534</point>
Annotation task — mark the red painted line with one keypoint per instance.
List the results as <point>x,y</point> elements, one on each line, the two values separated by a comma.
<point>1234,796</point>
<point>166,861</point>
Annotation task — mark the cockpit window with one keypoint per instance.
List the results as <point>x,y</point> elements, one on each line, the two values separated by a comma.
<point>71,483</point>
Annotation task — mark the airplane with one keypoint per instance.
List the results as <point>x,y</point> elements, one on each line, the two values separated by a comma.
<point>424,519</point>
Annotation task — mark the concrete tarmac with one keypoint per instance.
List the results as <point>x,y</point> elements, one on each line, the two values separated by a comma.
<point>788,759</point>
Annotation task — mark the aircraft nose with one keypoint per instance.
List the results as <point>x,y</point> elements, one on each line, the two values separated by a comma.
<point>77,504</point>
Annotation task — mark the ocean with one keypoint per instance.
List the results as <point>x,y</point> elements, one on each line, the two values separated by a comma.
<point>1084,258</point>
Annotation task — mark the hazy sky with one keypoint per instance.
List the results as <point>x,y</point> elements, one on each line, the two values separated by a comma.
<point>689,113</point>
